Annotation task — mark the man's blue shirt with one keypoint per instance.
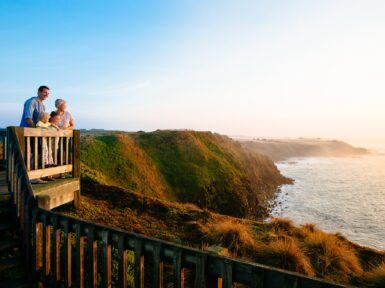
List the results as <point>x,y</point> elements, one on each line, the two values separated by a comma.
<point>32,109</point>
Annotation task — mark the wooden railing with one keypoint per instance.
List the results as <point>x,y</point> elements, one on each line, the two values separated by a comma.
<point>59,147</point>
<point>21,194</point>
<point>63,251</point>
<point>78,253</point>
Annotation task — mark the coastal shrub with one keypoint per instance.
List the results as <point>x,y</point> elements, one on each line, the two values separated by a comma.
<point>330,257</point>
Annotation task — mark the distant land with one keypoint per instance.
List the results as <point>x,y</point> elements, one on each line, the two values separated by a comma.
<point>283,149</point>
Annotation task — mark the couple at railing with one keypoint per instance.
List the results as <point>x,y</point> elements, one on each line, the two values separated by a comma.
<point>35,116</point>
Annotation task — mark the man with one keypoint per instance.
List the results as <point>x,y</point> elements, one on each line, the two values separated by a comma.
<point>33,107</point>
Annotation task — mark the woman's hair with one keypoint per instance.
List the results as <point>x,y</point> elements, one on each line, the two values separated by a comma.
<point>59,102</point>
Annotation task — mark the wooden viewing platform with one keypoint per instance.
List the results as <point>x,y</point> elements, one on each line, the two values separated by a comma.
<point>41,248</point>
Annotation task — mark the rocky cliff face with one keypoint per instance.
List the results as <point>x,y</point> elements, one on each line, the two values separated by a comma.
<point>209,170</point>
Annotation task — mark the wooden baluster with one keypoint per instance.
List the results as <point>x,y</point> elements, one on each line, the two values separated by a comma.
<point>227,273</point>
<point>56,147</point>
<point>34,246</point>
<point>49,148</point>
<point>178,271</point>
<point>67,237</point>
<point>92,256</point>
<point>122,262</point>
<point>158,266</point>
<point>18,189</point>
<point>79,272</point>
<point>14,188</point>
<point>71,150</point>
<point>46,249</point>
<point>43,140</point>
<point>139,264</point>
<point>200,271</point>
<point>28,157</point>
<point>39,245</point>
<point>106,276</point>
<point>67,151</point>
<point>61,151</point>
<point>55,256</point>
<point>36,153</point>
<point>257,278</point>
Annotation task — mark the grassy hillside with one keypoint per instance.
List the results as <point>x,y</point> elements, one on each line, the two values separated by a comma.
<point>209,170</point>
<point>279,150</point>
<point>279,243</point>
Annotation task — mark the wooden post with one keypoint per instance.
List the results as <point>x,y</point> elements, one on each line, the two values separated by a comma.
<point>76,154</point>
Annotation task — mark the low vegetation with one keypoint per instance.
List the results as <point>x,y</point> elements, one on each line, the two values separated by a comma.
<point>278,243</point>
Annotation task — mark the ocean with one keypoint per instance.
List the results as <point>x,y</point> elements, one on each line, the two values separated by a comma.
<point>338,194</point>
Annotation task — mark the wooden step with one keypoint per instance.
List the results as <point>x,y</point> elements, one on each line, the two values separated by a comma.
<point>56,193</point>
<point>9,263</point>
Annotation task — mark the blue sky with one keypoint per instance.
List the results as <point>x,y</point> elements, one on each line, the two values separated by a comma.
<point>257,68</point>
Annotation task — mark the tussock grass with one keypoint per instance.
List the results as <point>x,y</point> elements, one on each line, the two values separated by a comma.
<point>234,235</point>
<point>285,254</point>
<point>330,257</point>
<point>375,277</point>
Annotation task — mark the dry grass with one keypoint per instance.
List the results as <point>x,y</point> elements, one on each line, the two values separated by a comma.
<point>285,254</point>
<point>375,277</point>
<point>234,235</point>
<point>330,257</point>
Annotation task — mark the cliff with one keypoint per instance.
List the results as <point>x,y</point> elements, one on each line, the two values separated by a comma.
<point>280,150</point>
<point>207,169</point>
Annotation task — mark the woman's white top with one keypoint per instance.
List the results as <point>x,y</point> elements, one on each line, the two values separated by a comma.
<point>65,120</point>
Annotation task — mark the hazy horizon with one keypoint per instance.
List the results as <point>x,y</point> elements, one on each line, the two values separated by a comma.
<point>268,68</point>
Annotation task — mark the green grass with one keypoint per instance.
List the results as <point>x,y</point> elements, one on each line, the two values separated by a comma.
<point>209,170</point>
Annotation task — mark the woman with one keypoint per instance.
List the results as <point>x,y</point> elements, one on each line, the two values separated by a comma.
<point>66,120</point>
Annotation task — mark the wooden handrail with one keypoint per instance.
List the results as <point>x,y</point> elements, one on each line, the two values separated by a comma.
<point>21,193</point>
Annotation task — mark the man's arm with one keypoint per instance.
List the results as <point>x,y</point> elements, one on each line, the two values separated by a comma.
<point>29,108</point>
<point>30,122</point>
